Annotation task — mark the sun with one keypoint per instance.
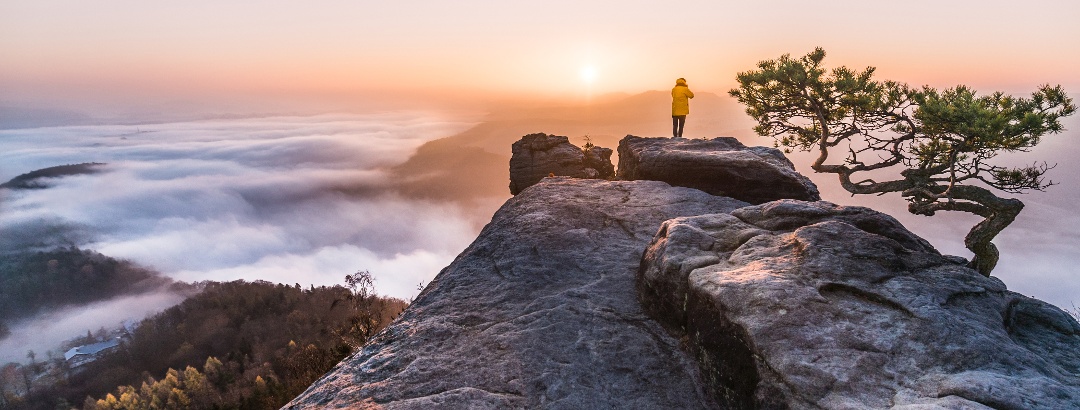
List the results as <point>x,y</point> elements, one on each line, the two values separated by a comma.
<point>588,74</point>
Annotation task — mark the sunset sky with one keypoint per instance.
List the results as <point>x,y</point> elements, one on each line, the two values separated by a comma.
<point>78,53</point>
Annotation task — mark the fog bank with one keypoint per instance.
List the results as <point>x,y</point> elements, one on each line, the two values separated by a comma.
<point>46,332</point>
<point>262,198</point>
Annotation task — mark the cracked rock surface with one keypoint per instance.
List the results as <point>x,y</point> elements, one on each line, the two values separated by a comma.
<point>721,166</point>
<point>810,305</point>
<point>539,312</point>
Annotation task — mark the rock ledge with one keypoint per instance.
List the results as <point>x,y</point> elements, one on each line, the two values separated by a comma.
<point>721,166</point>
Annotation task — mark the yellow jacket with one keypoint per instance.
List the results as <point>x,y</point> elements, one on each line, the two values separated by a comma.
<point>680,99</point>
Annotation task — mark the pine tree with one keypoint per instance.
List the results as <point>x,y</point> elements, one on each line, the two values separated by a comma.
<point>942,142</point>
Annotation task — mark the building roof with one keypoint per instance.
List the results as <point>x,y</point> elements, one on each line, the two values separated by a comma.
<point>91,349</point>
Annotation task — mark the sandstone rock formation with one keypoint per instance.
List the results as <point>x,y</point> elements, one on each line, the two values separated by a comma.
<point>721,166</point>
<point>588,293</point>
<point>539,312</point>
<point>535,156</point>
<point>803,305</point>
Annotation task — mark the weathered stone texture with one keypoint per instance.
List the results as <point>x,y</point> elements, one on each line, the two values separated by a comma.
<point>823,306</point>
<point>539,312</point>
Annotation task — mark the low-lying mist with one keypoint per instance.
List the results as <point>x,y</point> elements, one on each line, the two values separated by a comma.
<point>46,332</point>
<point>303,200</point>
<point>262,198</point>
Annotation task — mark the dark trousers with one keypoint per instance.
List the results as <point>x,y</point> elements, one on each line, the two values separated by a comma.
<point>677,122</point>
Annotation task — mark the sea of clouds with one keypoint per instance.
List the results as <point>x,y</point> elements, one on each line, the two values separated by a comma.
<point>303,200</point>
<point>285,199</point>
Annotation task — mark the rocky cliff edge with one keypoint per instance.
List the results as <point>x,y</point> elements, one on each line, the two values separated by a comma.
<point>587,293</point>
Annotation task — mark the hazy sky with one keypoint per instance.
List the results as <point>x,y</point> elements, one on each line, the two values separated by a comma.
<point>136,52</point>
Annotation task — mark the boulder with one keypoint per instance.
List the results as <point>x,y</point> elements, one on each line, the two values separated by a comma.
<point>721,166</point>
<point>599,159</point>
<point>804,305</point>
<point>539,312</point>
<point>536,156</point>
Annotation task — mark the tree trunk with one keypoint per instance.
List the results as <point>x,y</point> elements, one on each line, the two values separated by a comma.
<point>978,239</point>
<point>999,213</point>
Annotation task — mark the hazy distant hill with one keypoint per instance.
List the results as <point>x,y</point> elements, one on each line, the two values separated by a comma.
<point>473,163</point>
<point>31,282</point>
<point>607,121</point>
<point>34,179</point>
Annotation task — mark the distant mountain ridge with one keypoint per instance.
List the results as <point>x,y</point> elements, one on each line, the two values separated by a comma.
<point>473,163</point>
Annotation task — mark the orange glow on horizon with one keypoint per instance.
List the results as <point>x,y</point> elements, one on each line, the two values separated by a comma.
<point>562,48</point>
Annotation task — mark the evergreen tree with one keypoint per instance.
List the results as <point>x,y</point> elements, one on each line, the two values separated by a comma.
<point>942,142</point>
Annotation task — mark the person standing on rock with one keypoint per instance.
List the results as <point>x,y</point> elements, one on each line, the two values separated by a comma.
<point>680,106</point>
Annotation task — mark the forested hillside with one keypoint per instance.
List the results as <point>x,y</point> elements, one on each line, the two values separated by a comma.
<point>31,282</point>
<point>235,345</point>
